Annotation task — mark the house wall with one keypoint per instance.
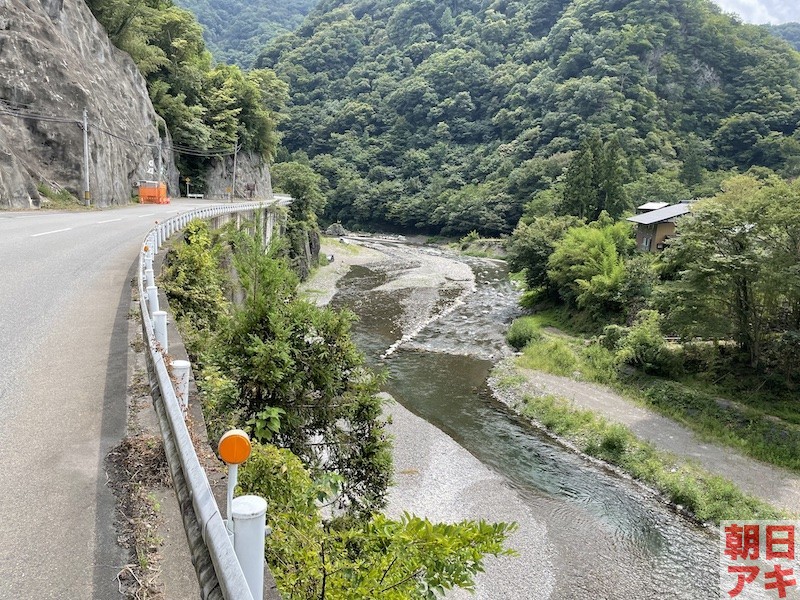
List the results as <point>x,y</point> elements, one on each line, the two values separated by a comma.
<point>643,232</point>
<point>663,230</point>
<point>655,233</point>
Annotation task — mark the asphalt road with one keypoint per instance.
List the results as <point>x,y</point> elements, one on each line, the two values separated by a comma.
<point>64,302</point>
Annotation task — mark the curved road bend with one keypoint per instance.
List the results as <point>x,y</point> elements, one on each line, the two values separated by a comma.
<point>64,303</point>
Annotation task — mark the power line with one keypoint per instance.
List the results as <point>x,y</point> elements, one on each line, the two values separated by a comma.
<point>119,137</point>
<point>37,117</point>
<point>16,110</point>
<point>7,109</point>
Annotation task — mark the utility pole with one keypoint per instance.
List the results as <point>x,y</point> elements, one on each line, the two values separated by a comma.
<point>160,165</point>
<point>87,198</point>
<point>235,152</point>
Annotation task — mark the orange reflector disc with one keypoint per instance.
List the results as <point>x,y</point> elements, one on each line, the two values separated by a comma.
<point>234,447</point>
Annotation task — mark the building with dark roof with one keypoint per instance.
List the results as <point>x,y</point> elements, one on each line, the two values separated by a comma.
<point>655,226</point>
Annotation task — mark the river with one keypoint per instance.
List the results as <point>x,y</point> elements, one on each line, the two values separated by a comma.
<point>585,532</point>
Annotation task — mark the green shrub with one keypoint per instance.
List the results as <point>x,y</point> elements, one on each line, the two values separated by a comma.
<point>644,346</point>
<point>399,559</point>
<point>551,356</point>
<point>782,356</point>
<point>472,236</point>
<point>616,439</point>
<point>700,357</point>
<point>194,281</point>
<point>613,336</point>
<point>522,332</point>
<point>600,364</point>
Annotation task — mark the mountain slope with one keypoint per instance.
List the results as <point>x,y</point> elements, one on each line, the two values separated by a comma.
<point>788,31</point>
<point>451,116</point>
<point>237,30</point>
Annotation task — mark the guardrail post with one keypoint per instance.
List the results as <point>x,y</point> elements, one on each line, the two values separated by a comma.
<point>249,530</point>
<point>152,298</point>
<point>149,277</point>
<point>181,370</point>
<point>160,328</point>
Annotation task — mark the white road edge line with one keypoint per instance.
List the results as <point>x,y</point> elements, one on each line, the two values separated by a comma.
<point>109,221</point>
<point>147,215</point>
<point>49,232</point>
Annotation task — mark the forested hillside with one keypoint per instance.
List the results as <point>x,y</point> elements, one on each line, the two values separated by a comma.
<point>788,31</point>
<point>207,108</point>
<point>454,116</point>
<point>237,30</point>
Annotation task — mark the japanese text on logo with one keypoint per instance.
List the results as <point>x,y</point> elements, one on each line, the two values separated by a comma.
<point>757,559</point>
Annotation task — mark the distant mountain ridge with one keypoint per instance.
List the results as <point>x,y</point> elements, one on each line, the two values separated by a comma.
<point>788,31</point>
<point>236,31</point>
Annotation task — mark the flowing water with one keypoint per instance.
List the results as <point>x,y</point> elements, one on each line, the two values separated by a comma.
<point>611,539</point>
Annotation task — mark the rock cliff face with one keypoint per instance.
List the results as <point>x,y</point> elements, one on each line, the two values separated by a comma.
<point>56,61</point>
<point>253,180</point>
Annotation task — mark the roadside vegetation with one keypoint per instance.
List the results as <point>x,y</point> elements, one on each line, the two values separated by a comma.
<point>732,411</point>
<point>706,497</point>
<point>706,332</point>
<point>58,199</point>
<point>288,372</point>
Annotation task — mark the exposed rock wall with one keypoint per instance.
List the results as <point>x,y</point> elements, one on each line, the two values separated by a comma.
<point>253,180</point>
<point>55,61</point>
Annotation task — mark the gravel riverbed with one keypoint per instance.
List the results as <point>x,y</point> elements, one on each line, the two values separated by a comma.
<point>435,477</point>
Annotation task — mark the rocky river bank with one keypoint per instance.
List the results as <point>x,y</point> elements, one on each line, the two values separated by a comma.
<point>435,321</point>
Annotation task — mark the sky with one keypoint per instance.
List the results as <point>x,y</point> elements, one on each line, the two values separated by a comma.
<point>763,11</point>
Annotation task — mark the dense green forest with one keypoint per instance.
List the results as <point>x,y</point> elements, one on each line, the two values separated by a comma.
<point>237,30</point>
<point>788,31</point>
<point>459,116</point>
<point>207,108</point>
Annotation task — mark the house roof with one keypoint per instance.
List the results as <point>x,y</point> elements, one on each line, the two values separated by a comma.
<point>652,205</point>
<point>660,215</point>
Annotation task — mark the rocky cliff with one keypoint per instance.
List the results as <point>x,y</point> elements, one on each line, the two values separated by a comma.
<point>253,180</point>
<point>56,61</point>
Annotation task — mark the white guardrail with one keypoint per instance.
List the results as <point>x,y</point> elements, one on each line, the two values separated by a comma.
<point>227,571</point>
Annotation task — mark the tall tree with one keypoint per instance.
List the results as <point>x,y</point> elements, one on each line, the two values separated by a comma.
<point>737,263</point>
<point>580,191</point>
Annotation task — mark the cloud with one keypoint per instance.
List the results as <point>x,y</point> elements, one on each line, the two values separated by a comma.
<point>762,11</point>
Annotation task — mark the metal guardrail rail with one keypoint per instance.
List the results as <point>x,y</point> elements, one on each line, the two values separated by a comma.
<point>226,579</point>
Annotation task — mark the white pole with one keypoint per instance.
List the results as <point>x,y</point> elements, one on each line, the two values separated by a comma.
<point>160,166</point>
<point>235,154</point>
<point>249,529</point>
<point>152,297</point>
<point>160,328</point>
<point>181,370</point>
<point>87,196</point>
<point>149,277</point>
<point>233,476</point>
